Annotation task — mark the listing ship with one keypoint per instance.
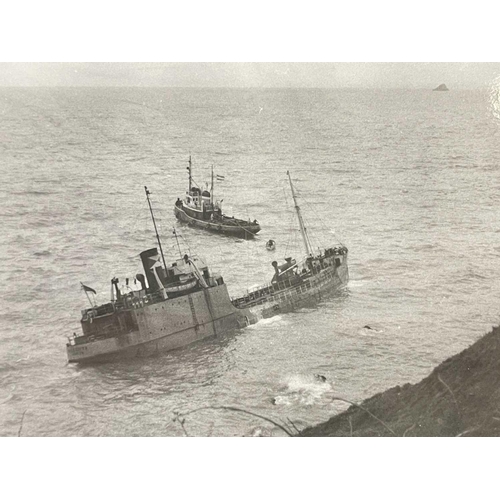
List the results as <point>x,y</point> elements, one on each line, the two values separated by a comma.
<point>297,284</point>
<point>174,306</point>
<point>199,209</point>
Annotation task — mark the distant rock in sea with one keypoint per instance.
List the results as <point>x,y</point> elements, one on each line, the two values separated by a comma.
<point>441,87</point>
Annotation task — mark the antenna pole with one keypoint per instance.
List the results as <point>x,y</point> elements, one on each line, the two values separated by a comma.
<point>212,189</point>
<point>156,230</point>
<point>303,229</point>
<point>177,240</point>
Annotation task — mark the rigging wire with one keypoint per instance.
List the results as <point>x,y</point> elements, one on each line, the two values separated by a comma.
<point>292,241</point>
<point>293,232</point>
<point>324,229</point>
<point>170,245</point>
<point>185,241</point>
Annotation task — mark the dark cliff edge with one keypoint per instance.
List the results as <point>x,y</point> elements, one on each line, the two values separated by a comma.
<point>461,397</point>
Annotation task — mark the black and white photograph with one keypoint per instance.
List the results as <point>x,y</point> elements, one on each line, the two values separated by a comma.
<point>214,248</point>
<point>180,243</point>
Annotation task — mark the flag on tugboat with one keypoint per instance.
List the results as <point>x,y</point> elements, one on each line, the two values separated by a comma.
<point>88,289</point>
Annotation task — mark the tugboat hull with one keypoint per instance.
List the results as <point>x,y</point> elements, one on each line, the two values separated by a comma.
<point>239,229</point>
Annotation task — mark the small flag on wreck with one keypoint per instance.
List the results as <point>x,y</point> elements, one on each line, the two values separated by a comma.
<point>88,289</point>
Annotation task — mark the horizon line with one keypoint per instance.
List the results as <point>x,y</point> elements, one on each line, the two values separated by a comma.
<point>351,87</point>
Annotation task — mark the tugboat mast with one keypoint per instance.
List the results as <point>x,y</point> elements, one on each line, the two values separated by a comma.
<point>156,230</point>
<point>177,240</point>
<point>190,179</point>
<point>212,188</point>
<point>303,230</point>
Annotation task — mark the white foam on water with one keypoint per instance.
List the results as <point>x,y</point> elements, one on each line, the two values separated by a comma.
<point>8,398</point>
<point>303,390</point>
<point>356,283</point>
<point>266,322</point>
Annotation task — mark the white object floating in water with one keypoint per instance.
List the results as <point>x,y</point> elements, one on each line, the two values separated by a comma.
<point>271,245</point>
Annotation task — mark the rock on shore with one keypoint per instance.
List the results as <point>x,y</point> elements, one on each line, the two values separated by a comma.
<point>461,397</point>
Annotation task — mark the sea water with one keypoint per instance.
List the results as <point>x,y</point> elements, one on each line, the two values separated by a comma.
<point>408,180</point>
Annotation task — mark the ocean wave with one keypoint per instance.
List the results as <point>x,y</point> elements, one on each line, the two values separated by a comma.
<point>35,193</point>
<point>42,253</point>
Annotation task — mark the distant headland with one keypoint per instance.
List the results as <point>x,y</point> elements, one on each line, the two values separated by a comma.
<point>441,87</point>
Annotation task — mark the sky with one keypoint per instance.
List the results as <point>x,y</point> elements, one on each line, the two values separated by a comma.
<point>248,74</point>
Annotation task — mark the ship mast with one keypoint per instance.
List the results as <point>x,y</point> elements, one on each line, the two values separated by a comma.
<point>177,240</point>
<point>156,230</point>
<point>303,230</point>
<point>189,169</point>
<point>212,188</point>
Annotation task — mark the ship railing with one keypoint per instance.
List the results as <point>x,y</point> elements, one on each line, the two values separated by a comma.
<point>110,332</point>
<point>251,293</point>
<point>276,292</point>
<point>238,222</point>
<point>126,302</point>
<point>150,298</point>
<point>97,311</point>
<point>272,292</point>
<point>274,295</point>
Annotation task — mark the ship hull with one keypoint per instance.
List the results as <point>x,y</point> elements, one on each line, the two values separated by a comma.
<point>241,231</point>
<point>167,325</point>
<point>178,322</point>
<point>307,294</point>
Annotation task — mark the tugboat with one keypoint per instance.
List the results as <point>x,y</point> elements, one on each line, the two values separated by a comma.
<point>295,284</point>
<point>175,305</point>
<point>198,209</point>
